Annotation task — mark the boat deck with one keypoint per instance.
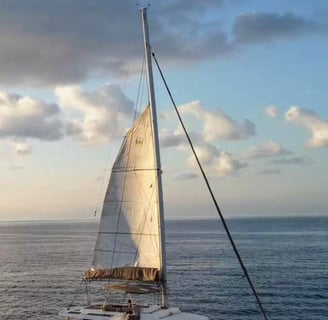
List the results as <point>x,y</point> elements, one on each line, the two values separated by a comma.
<point>122,312</point>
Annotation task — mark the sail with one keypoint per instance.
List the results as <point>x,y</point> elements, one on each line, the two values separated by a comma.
<point>128,242</point>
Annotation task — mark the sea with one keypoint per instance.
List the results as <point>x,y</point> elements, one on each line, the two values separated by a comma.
<point>41,264</point>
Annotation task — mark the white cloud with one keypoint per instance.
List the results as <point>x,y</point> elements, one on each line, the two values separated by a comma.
<point>218,125</point>
<point>22,149</point>
<point>99,112</point>
<point>24,117</point>
<point>215,126</point>
<point>206,153</point>
<point>219,162</point>
<point>227,164</point>
<point>271,111</point>
<point>91,116</point>
<point>312,122</point>
<point>270,149</point>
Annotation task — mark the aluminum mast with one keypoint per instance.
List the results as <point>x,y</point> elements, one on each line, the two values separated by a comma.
<point>151,95</point>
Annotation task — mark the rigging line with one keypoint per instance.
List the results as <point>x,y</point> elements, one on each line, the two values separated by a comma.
<point>126,139</point>
<point>86,286</point>
<point>104,177</point>
<point>140,87</point>
<point>212,194</point>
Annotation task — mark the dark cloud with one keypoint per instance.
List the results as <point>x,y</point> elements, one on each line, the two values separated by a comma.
<point>293,160</point>
<point>170,139</point>
<point>62,41</point>
<point>269,171</point>
<point>263,27</point>
<point>66,41</point>
<point>186,176</point>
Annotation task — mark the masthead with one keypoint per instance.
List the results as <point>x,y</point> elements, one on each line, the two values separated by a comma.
<point>143,4</point>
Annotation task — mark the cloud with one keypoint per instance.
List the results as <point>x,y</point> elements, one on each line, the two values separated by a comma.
<point>16,167</point>
<point>226,164</point>
<point>312,122</point>
<point>172,139</point>
<point>46,43</point>
<point>64,42</point>
<point>269,171</point>
<point>263,27</point>
<point>217,125</point>
<point>270,149</point>
<point>186,177</point>
<point>99,112</point>
<point>217,161</point>
<point>214,126</point>
<point>22,149</point>
<point>284,161</point>
<point>292,160</point>
<point>207,155</point>
<point>24,117</point>
<point>271,111</point>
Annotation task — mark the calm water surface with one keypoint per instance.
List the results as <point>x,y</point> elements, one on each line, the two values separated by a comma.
<point>41,266</point>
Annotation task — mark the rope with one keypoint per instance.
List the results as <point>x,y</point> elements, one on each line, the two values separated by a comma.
<point>86,286</point>
<point>105,176</point>
<point>211,193</point>
<point>128,160</point>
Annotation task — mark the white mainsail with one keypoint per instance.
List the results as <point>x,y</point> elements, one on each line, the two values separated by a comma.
<point>128,242</point>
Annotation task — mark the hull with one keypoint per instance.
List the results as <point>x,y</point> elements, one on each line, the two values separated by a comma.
<point>153,312</point>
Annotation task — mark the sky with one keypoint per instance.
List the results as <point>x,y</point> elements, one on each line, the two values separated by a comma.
<point>249,77</point>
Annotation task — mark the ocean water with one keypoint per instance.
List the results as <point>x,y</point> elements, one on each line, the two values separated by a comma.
<point>287,258</point>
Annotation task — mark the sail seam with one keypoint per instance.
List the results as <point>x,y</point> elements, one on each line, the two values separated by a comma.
<point>131,170</point>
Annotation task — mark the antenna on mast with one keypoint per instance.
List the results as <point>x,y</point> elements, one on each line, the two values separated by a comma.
<point>143,4</point>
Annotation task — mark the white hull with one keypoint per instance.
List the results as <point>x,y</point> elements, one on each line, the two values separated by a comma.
<point>153,312</point>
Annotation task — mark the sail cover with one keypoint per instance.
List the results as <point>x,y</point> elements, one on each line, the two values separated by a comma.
<point>128,242</point>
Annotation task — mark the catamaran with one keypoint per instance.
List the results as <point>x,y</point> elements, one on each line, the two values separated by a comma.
<point>129,255</point>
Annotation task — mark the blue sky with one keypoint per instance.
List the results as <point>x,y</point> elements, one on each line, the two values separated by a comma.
<point>250,78</point>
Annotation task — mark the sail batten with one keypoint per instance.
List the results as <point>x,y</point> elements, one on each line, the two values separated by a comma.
<point>128,242</point>
<point>127,170</point>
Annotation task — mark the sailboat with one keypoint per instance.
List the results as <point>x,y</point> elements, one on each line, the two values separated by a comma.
<point>129,255</point>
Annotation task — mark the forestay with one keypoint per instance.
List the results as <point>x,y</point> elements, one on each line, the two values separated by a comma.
<point>128,242</point>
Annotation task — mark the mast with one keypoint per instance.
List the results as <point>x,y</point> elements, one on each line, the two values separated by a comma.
<point>151,95</point>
